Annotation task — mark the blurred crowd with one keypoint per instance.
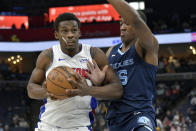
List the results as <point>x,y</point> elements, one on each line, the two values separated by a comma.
<point>173,23</point>
<point>10,71</point>
<point>13,109</point>
<point>172,64</point>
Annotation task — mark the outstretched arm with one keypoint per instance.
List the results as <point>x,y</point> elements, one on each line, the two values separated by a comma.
<point>132,17</point>
<point>146,39</point>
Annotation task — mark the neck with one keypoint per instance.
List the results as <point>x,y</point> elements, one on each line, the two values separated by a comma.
<point>71,52</point>
<point>126,46</point>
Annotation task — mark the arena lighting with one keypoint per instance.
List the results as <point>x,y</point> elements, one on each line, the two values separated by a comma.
<point>176,38</point>
<point>138,5</point>
<point>18,56</point>
<point>15,59</point>
<point>12,57</point>
<point>9,59</point>
<point>194,52</point>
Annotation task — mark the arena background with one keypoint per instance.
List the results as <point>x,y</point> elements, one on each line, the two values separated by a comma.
<point>22,38</point>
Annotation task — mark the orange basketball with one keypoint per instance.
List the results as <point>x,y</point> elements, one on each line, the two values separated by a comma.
<point>57,82</point>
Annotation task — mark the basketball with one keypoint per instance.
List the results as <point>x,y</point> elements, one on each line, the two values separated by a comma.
<point>57,82</point>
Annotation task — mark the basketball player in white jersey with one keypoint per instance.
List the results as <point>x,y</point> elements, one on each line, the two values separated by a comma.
<point>73,112</point>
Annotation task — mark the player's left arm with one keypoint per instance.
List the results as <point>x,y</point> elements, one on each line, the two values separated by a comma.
<point>146,39</point>
<point>111,87</point>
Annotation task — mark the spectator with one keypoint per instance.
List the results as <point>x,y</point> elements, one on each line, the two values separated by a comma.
<point>4,69</point>
<point>23,123</point>
<point>161,66</point>
<point>159,125</point>
<point>192,110</point>
<point>6,127</point>
<point>176,62</point>
<point>1,124</point>
<point>13,26</point>
<point>14,38</point>
<point>15,121</point>
<point>186,27</point>
<point>23,27</point>
<point>170,67</point>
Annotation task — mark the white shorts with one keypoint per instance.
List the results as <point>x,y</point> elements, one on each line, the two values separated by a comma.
<point>46,127</point>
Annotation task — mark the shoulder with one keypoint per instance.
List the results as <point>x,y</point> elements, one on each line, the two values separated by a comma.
<point>109,51</point>
<point>95,52</point>
<point>45,58</point>
<point>48,53</point>
<point>99,56</point>
<point>113,47</point>
<point>153,50</point>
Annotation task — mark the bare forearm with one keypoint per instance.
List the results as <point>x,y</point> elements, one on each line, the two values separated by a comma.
<point>125,11</point>
<point>36,91</point>
<point>110,91</point>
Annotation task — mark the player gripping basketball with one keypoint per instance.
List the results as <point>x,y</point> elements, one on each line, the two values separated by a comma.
<point>70,113</point>
<point>135,60</point>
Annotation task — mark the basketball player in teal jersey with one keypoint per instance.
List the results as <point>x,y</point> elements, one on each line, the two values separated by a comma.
<point>135,60</point>
<point>72,113</point>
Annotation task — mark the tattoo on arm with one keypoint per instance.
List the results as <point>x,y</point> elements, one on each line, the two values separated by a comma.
<point>48,54</point>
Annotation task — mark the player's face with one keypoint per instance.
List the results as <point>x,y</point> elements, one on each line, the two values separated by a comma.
<point>69,31</point>
<point>126,32</point>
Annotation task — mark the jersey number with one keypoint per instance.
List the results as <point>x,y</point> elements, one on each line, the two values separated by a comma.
<point>123,76</point>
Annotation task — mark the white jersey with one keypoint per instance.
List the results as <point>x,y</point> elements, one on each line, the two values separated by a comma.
<point>72,112</point>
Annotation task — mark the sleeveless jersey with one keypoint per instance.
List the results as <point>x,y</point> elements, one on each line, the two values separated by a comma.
<point>138,80</point>
<point>75,111</point>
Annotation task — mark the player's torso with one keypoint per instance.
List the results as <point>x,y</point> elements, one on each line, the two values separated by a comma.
<point>71,112</point>
<point>137,78</point>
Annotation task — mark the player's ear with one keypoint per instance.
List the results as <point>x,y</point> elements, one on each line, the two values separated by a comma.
<point>56,35</point>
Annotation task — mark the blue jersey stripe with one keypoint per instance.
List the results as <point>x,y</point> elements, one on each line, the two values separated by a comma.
<point>93,105</point>
<point>42,109</point>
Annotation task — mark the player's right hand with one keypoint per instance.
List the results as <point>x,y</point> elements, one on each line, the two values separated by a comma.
<point>53,96</point>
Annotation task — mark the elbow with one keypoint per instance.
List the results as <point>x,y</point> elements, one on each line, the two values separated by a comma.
<point>29,92</point>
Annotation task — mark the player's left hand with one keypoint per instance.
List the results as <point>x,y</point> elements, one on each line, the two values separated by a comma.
<point>95,74</point>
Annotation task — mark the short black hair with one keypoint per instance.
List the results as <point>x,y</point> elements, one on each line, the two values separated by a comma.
<point>65,17</point>
<point>142,15</point>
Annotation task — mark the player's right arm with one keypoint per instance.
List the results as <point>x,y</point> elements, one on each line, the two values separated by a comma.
<point>36,86</point>
<point>147,45</point>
